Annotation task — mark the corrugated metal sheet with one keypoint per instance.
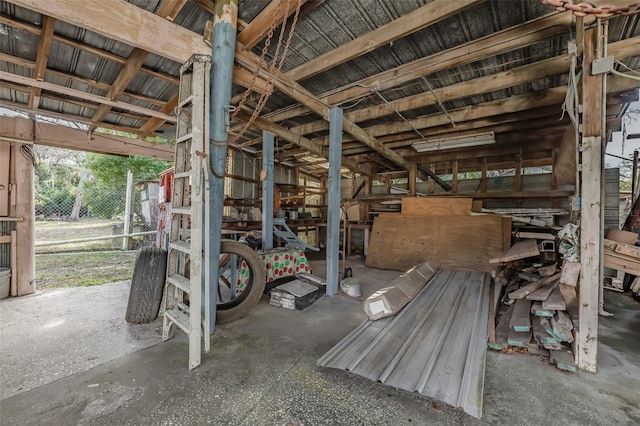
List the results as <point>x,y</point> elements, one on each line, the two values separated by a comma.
<point>435,346</point>
<point>612,198</point>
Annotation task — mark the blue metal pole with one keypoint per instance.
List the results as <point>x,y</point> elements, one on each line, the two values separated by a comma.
<point>224,43</point>
<point>333,202</point>
<point>267,190</point>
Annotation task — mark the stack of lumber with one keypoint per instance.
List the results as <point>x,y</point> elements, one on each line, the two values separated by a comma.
<point>441,230</point>
<point>539,310</point>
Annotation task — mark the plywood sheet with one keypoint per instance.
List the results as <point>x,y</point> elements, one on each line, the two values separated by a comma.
<point>437,206</point>
<point>399,242</point>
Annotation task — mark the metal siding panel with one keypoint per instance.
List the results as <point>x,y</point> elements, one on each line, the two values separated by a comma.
<point>436,345</point>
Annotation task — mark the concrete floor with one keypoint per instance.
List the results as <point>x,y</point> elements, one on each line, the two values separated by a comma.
<point>261,371</point>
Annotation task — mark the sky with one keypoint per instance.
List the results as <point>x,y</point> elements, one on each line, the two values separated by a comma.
<point>616,146</point>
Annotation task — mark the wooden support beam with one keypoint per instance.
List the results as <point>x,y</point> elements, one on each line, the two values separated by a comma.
<point>65,137</point>
<point>454,177</point>
<point>168,10</point>
<point>590,221</point>
<point>511,38</point>
<point>155,122</point>
<point>517,181</point>
<point>413,171</point>
<point>83,95</point>
<point>4,19</point>
<point>42,57</point>
<point>481,85</point>
<point>259,26</point>
<point>414,21</point>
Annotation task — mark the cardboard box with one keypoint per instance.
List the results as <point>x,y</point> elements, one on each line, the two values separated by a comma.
<point>391,299</point>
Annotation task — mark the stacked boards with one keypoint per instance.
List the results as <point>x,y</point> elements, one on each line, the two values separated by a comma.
<point>441,230</point>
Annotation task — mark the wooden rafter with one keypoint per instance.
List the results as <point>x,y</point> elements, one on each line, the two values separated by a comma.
<point>481,85</point>
<point>259,26</point>
<point>519,36</point>
<point>83,95</point>
<point>44,47</point>
<point>66,137</point>
<point>168,10</point>
<point>414,21</point>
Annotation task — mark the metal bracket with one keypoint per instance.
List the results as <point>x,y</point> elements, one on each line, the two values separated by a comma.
<point>602,65</point>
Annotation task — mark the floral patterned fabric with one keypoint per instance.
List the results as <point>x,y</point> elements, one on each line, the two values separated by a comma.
<point>278,263</point>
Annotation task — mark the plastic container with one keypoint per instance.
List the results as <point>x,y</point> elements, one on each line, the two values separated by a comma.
<point>350,287</point>
<point>5,282</point>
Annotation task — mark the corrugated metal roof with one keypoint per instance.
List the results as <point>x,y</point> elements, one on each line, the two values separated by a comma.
<point>435,346</point>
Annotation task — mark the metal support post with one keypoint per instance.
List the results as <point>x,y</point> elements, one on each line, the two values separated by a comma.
<point>222,57</point>
<point>267,190</point>
<point>333,204</point>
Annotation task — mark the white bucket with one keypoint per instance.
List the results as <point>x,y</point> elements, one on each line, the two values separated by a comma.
<point>350,287</point>
<point>5,282</point>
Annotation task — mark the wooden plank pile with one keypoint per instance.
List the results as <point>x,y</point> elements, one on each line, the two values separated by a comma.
<point>538,313</point>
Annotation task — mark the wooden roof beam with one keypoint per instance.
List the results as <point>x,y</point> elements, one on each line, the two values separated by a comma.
<point>169,9</point>
<point>259,26</point>
<point>42,57</point>
<point>79,94</point>
<point>505,40</point>
<point>66,137</point>
<point>486,84</point>
<point>420,18</point>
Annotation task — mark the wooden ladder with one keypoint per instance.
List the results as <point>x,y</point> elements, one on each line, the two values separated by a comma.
<point>184,287</point>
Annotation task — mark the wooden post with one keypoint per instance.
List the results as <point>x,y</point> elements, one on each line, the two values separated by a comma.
<point>634,177</point>
<point>22,204</point>
<point>413,171</point>
<point>454,177</point>
<point>432,182</point>
<point>128,212</point>
<point>590,223</point>
<point>517,181</point>
<point>483,177</point>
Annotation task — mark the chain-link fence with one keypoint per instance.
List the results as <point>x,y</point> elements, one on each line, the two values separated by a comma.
<point>78,209</point>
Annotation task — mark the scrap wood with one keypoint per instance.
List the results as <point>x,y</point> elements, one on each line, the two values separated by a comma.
<point>521,318</point>
<point>570,273</point>
<point>519,339</point>
<point>570,299</point>
<point>545,271</point>
<point>502,331</point>
<point>543,293</point>
<point>534,235</point>
<point>628,250</point>
<point>541,335</point>
<point>520,250</point>
<point>555,301</point>
<point>528,289</point>
<point>537,310</point>
<point>563,360</point>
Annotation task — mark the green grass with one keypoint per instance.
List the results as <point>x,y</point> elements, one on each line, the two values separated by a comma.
<point>48,231</point>
<point>83,269</point>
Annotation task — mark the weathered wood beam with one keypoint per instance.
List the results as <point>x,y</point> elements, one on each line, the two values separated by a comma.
<point>65,137</point>
<point>87,82</point>
<point>42,57</point>
<point>298,140</point>
<point>72,117</point>
<point>83,95</point>
<point>154,123</point>
<point>420,18</point>
<point>481,85</point>
<point>168,10</point>
<point>505,40</point>
<point>299,93</point>
<point>7,20</point>
<point>591,211</point>
<point>259,26</point>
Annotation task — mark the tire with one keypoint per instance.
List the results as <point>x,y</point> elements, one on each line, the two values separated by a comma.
<point>147,285</point>
<point>240,306</point>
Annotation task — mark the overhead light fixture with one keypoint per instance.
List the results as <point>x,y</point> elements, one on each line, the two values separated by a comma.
<point>456,142</point>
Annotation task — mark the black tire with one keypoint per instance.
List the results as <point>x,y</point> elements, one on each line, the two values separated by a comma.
<point>240,306</point>
<point>147,285</point>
